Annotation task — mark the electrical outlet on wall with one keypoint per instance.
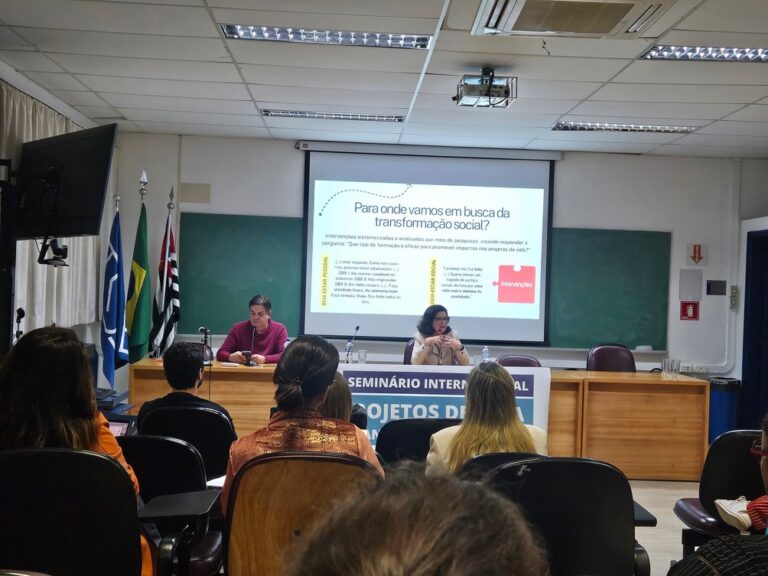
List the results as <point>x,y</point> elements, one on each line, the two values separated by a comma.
<point>685,367</point>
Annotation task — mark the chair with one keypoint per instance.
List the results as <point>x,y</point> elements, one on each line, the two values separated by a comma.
<point>67,512</point>
<point>206,429</point>
<point>478,467</point>
<point>408,353</point>
<point>583,511</point>
<point>275,497</point>
<point>611,358</point>
<point>408,439</point>
<point>729,471</point>
<point>518,360</point>
<point>171,466</point>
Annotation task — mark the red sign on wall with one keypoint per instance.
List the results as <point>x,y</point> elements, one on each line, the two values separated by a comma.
<point>689,310</point>
<point>517,284</point>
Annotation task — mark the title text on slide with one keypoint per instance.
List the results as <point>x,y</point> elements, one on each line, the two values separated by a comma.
<point>485,214</point>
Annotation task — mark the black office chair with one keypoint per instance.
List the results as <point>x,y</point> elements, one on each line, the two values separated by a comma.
<point>408,353</point>
<point>67,512</point>
<point>611,358</point>
<point>582,509</point>
<point>171,466</point>
<point>518,360</point>
<point>729,471</point>
<point>206,429</point>
<point>408,439</point>
<point>479,467</point>
<point>275,497</point>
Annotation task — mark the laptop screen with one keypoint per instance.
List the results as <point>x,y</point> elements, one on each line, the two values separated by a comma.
<point>118,428</point>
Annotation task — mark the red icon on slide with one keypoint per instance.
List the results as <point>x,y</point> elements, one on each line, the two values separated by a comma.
<point>517,284</point>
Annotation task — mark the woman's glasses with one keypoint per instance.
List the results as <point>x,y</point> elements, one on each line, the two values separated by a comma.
<point>757,449</point>
<point>445,319</point>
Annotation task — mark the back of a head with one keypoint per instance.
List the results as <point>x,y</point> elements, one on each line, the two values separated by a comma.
<point>416,525</point>
<point>304,372</point>
<point>182,363</point>
<point>490,395</point>
<point>338,402</point>
<point>46,392</point>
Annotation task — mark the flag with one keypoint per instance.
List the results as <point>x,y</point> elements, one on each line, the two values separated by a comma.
<point>114,336</point>
<point>138,309</point>
<point>165,309</point>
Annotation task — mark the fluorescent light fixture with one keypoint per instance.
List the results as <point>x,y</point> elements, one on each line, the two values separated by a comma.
<point>329,37</point>
<point>610,127</point>
<point>704,53</point>
<point>486,90</point>
<point>331,115</point>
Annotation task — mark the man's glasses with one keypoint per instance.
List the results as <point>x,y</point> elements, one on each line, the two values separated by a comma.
<point>757,449</point>
<point>442,319</point>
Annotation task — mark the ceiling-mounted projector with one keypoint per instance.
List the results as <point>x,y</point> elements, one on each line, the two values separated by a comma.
<point>486,90</point>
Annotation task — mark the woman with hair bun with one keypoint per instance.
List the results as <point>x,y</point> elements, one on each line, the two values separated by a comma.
<point>302,377</point>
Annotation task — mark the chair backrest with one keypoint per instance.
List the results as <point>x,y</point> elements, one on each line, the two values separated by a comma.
<point>582,509</point>
<point>408,439</point>
<point>275,497</point>
<point>611,358</point>
<point>408,353</point>
<point>730,470</point>
<point>163,465</point>
<point>476,468</point>
<point>206,429</point>
<point>518,360</point>
<point>67,512</point>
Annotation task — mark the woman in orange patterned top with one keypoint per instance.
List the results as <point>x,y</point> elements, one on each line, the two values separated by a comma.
<point>302,377</point>
<point>47,401</point>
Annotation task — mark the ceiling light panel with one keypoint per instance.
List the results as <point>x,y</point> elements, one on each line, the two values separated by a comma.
<point>611,127</point>
<point>327,37</point>
<point>331,115</point>
<point>707,53</point>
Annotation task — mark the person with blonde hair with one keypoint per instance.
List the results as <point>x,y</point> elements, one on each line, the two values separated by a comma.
<point>491,423</point>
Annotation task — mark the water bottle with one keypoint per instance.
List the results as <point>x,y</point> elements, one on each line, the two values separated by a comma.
<point>486,354</point>
<point>348,350</point>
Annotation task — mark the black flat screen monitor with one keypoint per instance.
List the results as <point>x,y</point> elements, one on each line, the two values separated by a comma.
<point>62,183</point>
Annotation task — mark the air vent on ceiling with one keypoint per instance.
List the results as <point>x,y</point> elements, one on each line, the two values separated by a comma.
<point>574,18</point>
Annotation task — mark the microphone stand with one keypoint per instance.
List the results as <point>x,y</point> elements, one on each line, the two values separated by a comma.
<point>207,352</point>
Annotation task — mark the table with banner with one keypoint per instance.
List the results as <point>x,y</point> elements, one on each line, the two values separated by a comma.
<point>651,426</point>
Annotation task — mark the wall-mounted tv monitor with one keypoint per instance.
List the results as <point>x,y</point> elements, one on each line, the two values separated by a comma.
<point>62,182</point>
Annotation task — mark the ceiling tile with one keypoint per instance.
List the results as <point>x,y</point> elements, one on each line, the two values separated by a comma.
<point>179,104</point>
<point>753,113</point>
<point>95,112</point>
<point>481,117</point>
<point>710,38</point>
<point>78,98</point>
<point>728,16</point>
<point>29,61</point>
<point>164,116</point>
<point>492,131</point>
<point>404,8</point>
<point>724,140</point>
<point>132,45</point>
<point>709,151</point>
<point>735,128</point>
<point>519,106</point>
<point>527,88</point>
<point>369,98</point>
<point>177,88</point>
<point>470,140</point>
<point>109,17</point>
<point>55,81</point>
<point>573,145</point>
<point>302,133</point>
<point>326,78</point>
<point>360,108</point>
<point>609,136</point>
<point>10,40</point>
<point>145,68</point>
<point>656,110</point>
<point>204,129</point>
<point>665,72</point>
<point>680,93</point>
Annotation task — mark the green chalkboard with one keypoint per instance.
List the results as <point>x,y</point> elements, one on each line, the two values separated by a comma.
<point>608,286</point>
<point>605,285</point>
<point>225,260</point>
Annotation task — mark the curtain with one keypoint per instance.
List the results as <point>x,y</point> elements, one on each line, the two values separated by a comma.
<point>64,295</point>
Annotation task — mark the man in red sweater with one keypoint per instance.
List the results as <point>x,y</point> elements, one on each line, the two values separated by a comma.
<point>261,335</point>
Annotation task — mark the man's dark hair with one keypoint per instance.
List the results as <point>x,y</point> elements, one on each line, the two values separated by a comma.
<point>182,363</point>
<point>260,300</point>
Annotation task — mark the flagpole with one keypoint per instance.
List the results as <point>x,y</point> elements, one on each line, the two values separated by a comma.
<point>167,247</point>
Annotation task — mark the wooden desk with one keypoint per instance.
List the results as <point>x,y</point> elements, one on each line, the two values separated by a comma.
<point>246,393</point>
<point>648,425</point>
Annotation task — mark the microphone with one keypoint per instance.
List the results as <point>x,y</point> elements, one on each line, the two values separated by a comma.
<point>203,330</point>
<point>351,342</point>
<point>20,314</point>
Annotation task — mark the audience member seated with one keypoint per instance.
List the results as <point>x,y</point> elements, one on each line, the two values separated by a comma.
<point>47,400</point>
<point>747,515</point>
<point>491,423</point>
<point>338,404</point>
<point>430,526</point>
<point>435,342</point>
<point>260,335</point>
<point>183,368</point>
<point>302,378</point>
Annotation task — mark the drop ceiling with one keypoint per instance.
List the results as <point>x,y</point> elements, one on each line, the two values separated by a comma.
<point>163,66</point>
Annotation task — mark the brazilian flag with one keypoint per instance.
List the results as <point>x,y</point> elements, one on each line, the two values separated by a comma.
<point>138,307</point>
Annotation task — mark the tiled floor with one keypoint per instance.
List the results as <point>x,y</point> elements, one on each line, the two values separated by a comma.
<point>663,541</point>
